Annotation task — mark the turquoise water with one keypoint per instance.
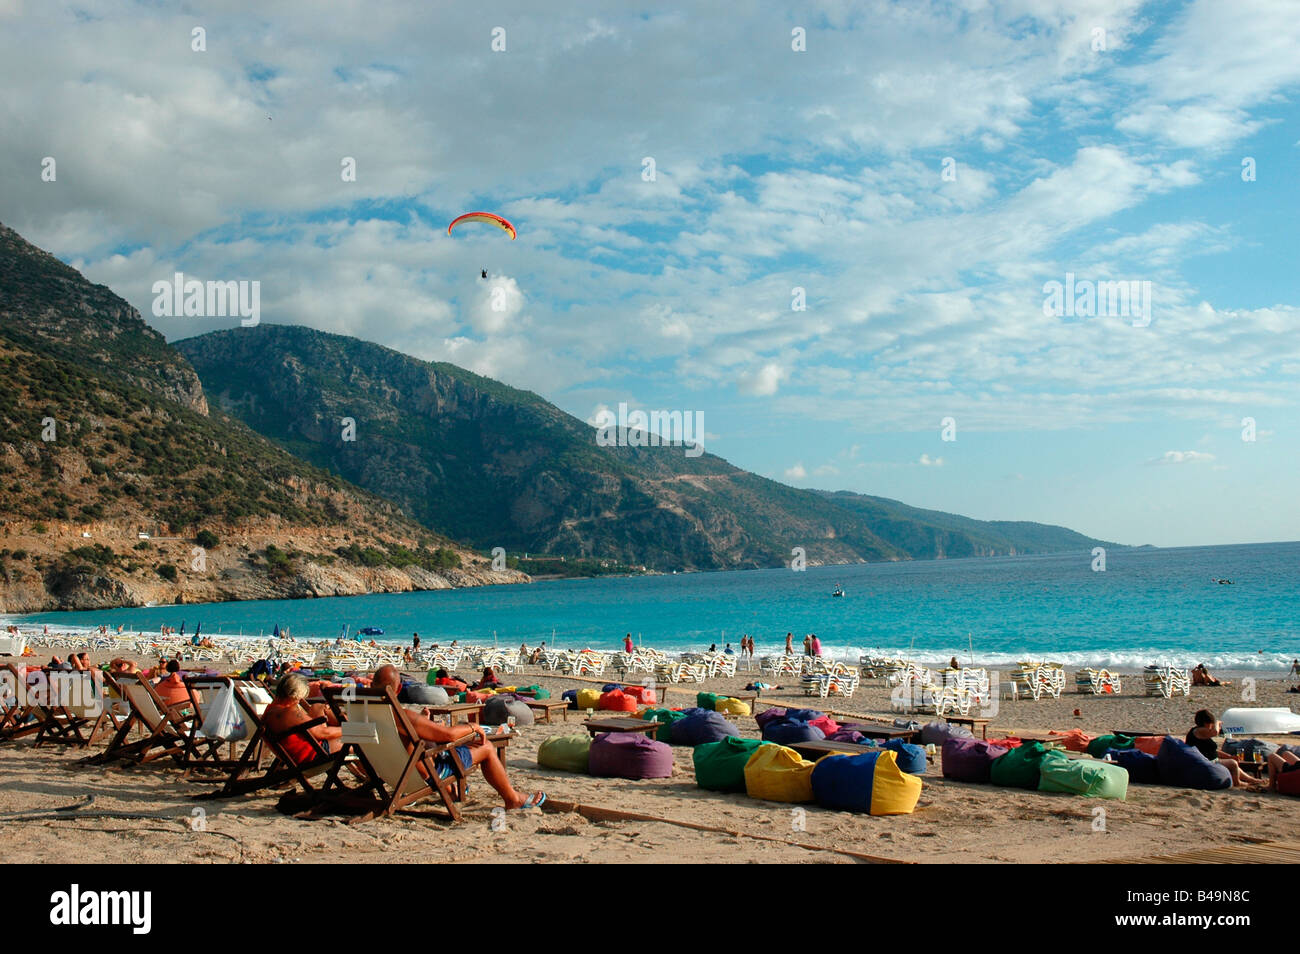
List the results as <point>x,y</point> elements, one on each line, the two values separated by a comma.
<point>1147,606</point>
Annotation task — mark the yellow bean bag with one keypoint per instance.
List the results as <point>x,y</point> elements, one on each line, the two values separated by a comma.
<point>732,707</point>
<point>778,774</point>
<point>588,698</point>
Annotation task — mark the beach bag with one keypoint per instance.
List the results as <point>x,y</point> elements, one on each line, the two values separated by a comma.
<point>667,717</point>
<point>937,733</point>
<point>700,726</point>
<point>1087,777</point>
<point>769,715</point>
<point>720,766</point>
<point>629,755</point>
<point>224,720</point>
<point>568,753</point>
<point>589,698</point>
<point>1019,768</point>
<point>1142,768</point>
<point>790,732</point>
<point>1183,766</point>
<point>499,709</point>
<point>1099,746</point>
<point>910,758</point>
<point>778,774</point>
<point>617,701</point>
<point>730,706</point>
<point>872,783</point>
<point>969,760</point>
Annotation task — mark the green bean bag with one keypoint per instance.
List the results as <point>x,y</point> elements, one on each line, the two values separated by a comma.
<point>667,717</point>
<point>538,692</point>
<point>707,700</point>
<point>720,766</point>
<point>1019,768</point>
<point>565,752</point>
<point>1086,777</point>
<point>1098,746</point>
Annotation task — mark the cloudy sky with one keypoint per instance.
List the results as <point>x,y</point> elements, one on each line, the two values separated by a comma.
<point>683,179</point>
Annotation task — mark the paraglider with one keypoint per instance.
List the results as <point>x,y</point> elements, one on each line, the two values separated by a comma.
<point>487,218</point>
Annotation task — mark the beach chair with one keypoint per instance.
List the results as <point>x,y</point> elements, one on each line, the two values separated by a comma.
<point>170,731</point>
<point>401,769</point>
<point>73,707</point>
<point>19,716</point>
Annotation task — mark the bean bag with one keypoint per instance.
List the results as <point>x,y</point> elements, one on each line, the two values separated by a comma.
<point>610,687</point>
<point>1288,783</point>
<point>667,717</point>
<point>707,700</point>
<point>1150,744</point>
<point>425,695</point>
<point>629,755</point>
<point>452,685</point>
<point>1098,746</point>
<point>825,723</point>
<point>907,724</point>
<point>617,701</point>
<point>871,782</point>
<point>969,760</point>
<point>720,766</point>
<point>1141,767</point>
<point>540,693</point>
<point>803,715</point>
<point>499,709</point>
<point>472,696</point>
<point>731,706</point>
<point>565,752</point>
<point>571,697</point>
<point>641,694</point>
<point>1087,777</point>
<point>910,758</point>
<point>701,726</point>
<point>778,774</point>
<point>1183,766</point>
<point>787,731</point>
<point>1019,768</point>
<point>848,735</point>
<point>937,733</point>
<point>589,698</point>
<point>1242,747</point>
<point>1076,740</point>
<point>769,715</point>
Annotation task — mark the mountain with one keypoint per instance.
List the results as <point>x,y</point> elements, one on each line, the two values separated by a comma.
<point>106,438</point>
<point>496,466</point>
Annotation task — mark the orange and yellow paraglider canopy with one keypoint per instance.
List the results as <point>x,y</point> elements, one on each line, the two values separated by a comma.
<point>487,217</point>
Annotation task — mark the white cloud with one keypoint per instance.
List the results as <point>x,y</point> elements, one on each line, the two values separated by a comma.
<point>762,382</point>
<point>1182,457</point>
<point>927,461</point>
<point>797,472</point>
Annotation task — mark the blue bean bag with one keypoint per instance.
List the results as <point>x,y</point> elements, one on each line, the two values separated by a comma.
<point>611,686</point>
<point>910,758</point>
<point>789,732</point>
<point>769,715</point>
<point>870,783</point>
<point>629,755</point>
<point>701,726</point>
<point>970,760</point>
<point>1183,766</point>
<point>803,715</point>
<point>571,697</point>
<point>1142,768</point>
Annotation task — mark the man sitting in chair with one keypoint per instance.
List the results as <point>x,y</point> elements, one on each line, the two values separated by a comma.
<point>478,752</point>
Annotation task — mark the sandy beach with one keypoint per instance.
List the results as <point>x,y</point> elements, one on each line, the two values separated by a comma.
<point>148,813</point>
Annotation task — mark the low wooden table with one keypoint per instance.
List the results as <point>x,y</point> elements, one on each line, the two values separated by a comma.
<point>472,711</point>
<point>972,722</point>
<point>815,750</point>
<point>595,726</point>
<point>545,707</point>
<point>1040,738</point>
<point>886,732</point>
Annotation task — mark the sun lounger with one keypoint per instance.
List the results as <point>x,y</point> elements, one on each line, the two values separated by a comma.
<point>170,730</point>
<point>19,717</point>
<point>73,707</point>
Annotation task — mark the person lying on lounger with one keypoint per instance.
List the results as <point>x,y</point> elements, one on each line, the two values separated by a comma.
<point>473,747</point>
<point>1202,736</point>
<point>287,711</point>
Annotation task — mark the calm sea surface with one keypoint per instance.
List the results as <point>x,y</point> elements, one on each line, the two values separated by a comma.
<point>1147,606</point>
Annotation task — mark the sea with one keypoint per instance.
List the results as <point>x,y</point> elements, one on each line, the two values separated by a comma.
<point>1148,605</point>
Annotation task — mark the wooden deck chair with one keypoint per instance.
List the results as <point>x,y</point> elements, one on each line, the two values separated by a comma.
<point>19,716</point>
<point>73,706</point>
<point>165,728</point>
<point>402,768</point>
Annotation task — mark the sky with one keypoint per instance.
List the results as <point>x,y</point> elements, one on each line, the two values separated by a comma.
<point>831,228</point>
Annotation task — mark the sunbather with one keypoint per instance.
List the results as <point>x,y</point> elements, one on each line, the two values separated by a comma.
<point>287,711</point>
<point>171,688</point>
<point>473,748</point>
<point>1201,677</point>
<point>1202,737</point>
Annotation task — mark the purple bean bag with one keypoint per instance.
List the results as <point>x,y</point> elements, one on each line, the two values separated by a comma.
<point>937,733</point>
<point>969,760</point>
<point>1183,766</point>
<point>1142,767</point>
<point>769,715</point>
<point>848,735</point>
<point>629,755</point>
<point>701,726</point>
<point>790,731</point>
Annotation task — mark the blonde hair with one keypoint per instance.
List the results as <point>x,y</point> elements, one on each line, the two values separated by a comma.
<point>293,687</point>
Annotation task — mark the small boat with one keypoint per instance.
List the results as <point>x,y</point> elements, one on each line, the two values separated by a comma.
<point>1224,582</point>
<point>1263,721</point>
<point>371,631</point>
<point>839,591</point>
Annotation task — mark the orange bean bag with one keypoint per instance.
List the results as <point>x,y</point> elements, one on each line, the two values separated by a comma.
<point>1150,744</point>
<point>1076,740</point>
<point>641,694</point>
<point>618,701</point>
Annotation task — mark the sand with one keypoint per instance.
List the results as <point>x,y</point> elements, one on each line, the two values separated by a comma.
<point>954,822</point>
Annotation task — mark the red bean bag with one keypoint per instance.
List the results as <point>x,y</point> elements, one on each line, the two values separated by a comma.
<point>828,725</point>
<point>453,685</point>
<point>970,760</point>
<point>1150,744</point>
<point>641,694</point>
<point>471,696</point>
<point>1288,783</point>
<point>618,701</point>
<point>629,755</point>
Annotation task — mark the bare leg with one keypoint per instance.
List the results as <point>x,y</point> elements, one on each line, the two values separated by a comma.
<point>494,773</point>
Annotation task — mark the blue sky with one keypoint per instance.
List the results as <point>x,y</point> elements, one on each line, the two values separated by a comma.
<point>1103,138</point>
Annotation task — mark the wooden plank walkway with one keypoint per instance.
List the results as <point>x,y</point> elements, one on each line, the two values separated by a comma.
<point>1263,853</point>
